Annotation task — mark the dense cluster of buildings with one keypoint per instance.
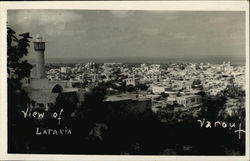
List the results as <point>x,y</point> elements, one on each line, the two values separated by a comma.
<point>180,85</point>
<point>166,84</point>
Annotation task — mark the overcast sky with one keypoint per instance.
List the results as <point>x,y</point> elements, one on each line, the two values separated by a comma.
<point>116,34</point>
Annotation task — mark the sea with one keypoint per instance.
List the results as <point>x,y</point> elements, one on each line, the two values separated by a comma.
<point>212,60</point>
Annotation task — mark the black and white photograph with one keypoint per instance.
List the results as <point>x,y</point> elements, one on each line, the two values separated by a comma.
<point>126,82</point>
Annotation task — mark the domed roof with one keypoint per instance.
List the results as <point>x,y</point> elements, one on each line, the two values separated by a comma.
<point>39,38</point>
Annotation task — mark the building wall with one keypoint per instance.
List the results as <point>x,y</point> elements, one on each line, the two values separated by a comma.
<point>132,81</point>
<point>43,84</point>
<point>43,96</point>
<point>158,89</point>
<point>189,101</point>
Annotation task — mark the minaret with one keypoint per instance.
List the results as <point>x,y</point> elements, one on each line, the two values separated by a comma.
<point>39,47</point>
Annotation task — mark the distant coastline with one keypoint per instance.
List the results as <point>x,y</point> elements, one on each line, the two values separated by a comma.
<point>212,60</point>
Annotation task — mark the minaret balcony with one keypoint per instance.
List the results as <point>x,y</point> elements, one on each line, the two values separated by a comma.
<point>40,46</point>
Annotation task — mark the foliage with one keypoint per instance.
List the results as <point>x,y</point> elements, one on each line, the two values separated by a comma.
<point>93,104</point>
<point>143,87</point>
<point>197,84</point>
<point>18,69</point>
<point>17,49</point>
<point>212,105</point>
<point>164,95</point>
<point>201,93</point>
<point>233,91</point>
<point>130,88</point>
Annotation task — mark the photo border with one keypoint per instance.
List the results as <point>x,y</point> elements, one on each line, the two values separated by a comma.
<point>114,5</point>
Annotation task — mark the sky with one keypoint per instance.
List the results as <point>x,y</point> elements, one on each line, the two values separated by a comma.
<point>134,34</point>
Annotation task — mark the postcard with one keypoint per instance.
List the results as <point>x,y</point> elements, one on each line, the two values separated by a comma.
<point>141,80</point>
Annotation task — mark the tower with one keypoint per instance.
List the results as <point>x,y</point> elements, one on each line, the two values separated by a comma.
<point>39,47</point>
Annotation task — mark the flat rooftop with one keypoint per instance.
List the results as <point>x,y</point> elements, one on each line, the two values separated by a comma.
<point>123,97</point>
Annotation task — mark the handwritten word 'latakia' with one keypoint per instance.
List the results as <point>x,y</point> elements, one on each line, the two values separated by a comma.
<point>209,124</point>
<point>64,131</point>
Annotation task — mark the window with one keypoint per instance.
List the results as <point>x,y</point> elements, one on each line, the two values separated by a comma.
<point>192,99</point>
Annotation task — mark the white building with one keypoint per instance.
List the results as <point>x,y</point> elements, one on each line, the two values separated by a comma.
<point>189,100</point>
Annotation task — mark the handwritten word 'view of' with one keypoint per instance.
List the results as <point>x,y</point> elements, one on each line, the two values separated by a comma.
<point>28,113</point>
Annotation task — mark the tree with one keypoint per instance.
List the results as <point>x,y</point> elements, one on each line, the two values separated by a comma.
<point>17,49</point>
<point>197,84</point>
<point>17,69</point>
<point>18,99</point>
<point>212,105</point>
<point>164,95</point>
<point>201,93</point>
<point>130,88</point>
<point>143,87</point>
<point>93,104</point>
<point>233,91</point>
